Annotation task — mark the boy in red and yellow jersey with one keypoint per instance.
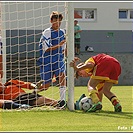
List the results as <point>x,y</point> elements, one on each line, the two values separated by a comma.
<point>102,69</point>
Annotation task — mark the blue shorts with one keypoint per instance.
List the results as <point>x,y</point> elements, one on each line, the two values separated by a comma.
<point>47,71</point>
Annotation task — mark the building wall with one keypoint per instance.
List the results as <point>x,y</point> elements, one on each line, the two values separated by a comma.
<point>112,41</point>
<point>107,15</point>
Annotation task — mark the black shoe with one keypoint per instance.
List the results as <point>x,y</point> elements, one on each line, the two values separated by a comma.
<point>61,104</point>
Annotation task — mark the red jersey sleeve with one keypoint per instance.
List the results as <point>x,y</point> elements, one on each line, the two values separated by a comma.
<point>19,83</point>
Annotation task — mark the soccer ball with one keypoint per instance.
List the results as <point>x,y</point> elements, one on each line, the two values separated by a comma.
<point>85,104</point>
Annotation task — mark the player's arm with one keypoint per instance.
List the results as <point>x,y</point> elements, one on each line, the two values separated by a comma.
<point>56,46</point>
<point>46,44</point>
<point>23,84</point>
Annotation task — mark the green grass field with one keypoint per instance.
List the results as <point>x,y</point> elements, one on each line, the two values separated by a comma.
<point>65,120</point>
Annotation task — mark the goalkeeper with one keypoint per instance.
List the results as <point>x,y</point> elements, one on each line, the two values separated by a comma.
<point>52,49</point>
<point>104,71</point>
<point>13,90</point>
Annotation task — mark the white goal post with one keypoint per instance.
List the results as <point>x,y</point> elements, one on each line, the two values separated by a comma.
<point>70,52</point>
<point>21,26</point>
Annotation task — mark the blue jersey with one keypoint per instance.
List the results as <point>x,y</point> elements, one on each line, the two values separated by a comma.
<point>48,39</point>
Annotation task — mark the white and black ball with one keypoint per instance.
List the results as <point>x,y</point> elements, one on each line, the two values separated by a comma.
<point>85,104</point>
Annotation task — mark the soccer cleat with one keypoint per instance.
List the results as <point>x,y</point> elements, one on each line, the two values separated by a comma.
<point>118,108</point>
<point>61,104</point>
<point>24,106</point>
<point>95,107</point>
<point>76,105</point>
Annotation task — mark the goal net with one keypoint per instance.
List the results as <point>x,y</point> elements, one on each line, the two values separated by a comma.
<point>22,24</point>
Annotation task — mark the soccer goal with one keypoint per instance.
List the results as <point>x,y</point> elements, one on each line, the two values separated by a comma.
<point>21,26</point>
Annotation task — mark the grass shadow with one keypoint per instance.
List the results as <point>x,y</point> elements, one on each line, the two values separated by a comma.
<point>126,115</point>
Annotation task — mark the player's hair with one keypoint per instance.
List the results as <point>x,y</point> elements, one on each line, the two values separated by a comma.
<point>56,15</point>
<point>76,73</point>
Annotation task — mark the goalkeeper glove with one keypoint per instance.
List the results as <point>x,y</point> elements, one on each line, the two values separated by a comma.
<point>38,86</point>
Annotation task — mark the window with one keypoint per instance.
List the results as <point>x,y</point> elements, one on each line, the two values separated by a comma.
<point>89,14</point>
<point>125,14</point>
<point>85,14</point>
<point>131,14</point>
<point>78,14</point>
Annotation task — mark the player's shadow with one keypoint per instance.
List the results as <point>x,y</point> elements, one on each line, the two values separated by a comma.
<point>126,115</point>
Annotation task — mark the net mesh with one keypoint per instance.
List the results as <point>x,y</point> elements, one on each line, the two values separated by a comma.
<point>22,25</point>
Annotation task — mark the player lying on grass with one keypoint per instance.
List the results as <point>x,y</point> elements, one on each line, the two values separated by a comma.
<point>13,90</point>
<point>103,69</point>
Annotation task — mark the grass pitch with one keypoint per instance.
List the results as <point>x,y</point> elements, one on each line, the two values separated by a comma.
<point>65,120</point>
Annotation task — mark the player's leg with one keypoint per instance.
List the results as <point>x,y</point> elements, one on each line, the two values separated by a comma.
<point>93,93</point>
<point>62,83</point>
<point>78,46</point>
<point>45,101</point>
<point>111,96</point>
<point>50,102</point>
<point>35,100</point>
<point>46,75</point>
<point>60,72</point>
<point>115,71</point>
<point>99,87</point>
<point>9,104</point>
<point>100,93</point>
<point>75,46</point>
<point>41,100</point>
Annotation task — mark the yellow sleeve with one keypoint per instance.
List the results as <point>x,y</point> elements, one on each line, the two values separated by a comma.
<point>89,60</point>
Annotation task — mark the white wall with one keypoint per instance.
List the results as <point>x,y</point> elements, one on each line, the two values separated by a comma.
<point>35,15</point>
<point>107,15</point>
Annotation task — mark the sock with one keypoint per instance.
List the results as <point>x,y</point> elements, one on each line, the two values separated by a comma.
<point>114,100</point>
<point>10,105</point>
<point>94,96</point>
<point>63,93</point>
